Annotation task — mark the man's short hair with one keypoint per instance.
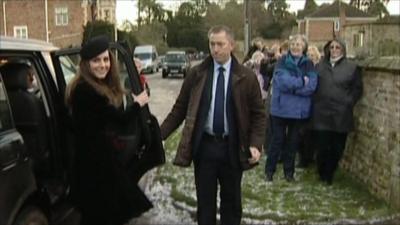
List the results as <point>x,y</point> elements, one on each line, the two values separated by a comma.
<point>221,28</point>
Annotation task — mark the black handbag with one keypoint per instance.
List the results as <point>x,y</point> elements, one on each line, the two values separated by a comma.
<point>138,147</point>
<point>126,147</point>
<point>150,153</point>
<point>127,142</point>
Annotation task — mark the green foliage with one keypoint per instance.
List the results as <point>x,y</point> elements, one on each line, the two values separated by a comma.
<point>152,34</point>
<point>373,7</point>
<point>377,8</point>
<point>129,37</point>
<point>186,29</point>
<point>281,20</point>
<point>273,31</point>
<point>98,27</point>
<point>309,8</point>
<point>189,26</point>
<point>151,11</point>
<point>231,15</point>
<point>278,9</point>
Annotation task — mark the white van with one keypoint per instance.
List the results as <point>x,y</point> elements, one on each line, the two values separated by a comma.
<point>149,56</point>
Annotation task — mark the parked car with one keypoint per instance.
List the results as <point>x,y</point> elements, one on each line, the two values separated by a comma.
<point>175,62</point>
<point>36,137</point>
<point>149,57</point>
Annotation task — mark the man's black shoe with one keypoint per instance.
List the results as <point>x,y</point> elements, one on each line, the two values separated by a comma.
<point>269,177</point>
<point>289,178</point>
<point>302,165</point>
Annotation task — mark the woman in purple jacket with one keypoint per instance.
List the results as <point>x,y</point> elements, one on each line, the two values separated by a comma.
<point>294,82</point>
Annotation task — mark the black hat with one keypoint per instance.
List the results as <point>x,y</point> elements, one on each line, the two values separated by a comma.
<point>94,46</point>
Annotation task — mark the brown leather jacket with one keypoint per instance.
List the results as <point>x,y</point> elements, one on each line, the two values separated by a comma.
<point>250,111</point>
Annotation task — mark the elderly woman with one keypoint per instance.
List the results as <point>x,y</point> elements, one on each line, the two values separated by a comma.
<point>294,81</point>
<point>313,54</point>
<point>339,89</point>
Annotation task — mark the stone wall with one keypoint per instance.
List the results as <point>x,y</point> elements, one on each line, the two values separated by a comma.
<point>373,150</point>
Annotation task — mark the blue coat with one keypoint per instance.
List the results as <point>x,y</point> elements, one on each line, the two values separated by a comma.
<point>291,98</point>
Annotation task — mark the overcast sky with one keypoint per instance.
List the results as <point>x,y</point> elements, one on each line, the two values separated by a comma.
<point>126,9</point>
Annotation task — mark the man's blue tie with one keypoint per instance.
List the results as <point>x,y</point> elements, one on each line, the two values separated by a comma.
<point>218,122</point>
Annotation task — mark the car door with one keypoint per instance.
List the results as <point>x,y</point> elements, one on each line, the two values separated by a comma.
<point>153,152</point>
<point>16,177</point>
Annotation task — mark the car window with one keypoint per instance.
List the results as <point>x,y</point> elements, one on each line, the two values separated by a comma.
<point>5,112</point>
<point>143,56</point>
<point>69,67</point>
<point>175,57</point>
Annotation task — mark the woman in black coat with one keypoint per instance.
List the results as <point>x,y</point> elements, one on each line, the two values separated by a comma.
<point>340,87</point>
<point>104,192</point>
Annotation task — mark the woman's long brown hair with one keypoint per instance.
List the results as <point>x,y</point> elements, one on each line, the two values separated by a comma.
<point>109,87</point>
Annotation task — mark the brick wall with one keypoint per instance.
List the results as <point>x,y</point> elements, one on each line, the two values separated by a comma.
<point>372,153</point>
<point>320,30</point>
<point>32,14</point>
<point>17,15</point>
<point>71,34</point>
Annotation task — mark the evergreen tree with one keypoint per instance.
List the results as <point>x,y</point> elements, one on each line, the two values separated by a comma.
<point>309,7</point>
<point>373,7</point>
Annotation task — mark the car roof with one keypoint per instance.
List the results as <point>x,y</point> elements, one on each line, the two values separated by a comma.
<point>175,52</point>
<point>12,43</point>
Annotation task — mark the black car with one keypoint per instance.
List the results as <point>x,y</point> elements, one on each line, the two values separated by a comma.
<point>36,138</point>
<point>175,62</point>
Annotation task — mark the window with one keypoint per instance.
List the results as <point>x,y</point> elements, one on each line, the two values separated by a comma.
<point>107,15</point>
<point>21,32</point>
<point>61,16</point>
<point>337,25</point>
<point>358,40</point>
<point>5,113</point>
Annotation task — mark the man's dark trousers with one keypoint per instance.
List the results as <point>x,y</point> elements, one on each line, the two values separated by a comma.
<point>213,167</point>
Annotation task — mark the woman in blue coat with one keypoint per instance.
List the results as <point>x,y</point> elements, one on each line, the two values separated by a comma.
<point>294,82</point>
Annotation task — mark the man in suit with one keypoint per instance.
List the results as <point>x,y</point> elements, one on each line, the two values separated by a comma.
<point>224,129</point>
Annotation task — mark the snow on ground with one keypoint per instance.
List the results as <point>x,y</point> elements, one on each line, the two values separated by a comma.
<point>164,212</point>
<point>306,201</point>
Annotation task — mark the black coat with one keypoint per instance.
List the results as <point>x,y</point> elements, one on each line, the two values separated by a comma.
<point>102,186</point>
<point>339,89</point>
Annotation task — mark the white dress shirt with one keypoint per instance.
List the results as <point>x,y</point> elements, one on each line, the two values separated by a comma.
<point>210,118</point>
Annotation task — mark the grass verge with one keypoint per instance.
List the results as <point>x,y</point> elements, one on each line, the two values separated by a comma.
<point>304,201</point>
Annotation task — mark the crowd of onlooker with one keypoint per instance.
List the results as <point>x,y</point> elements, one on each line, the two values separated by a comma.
<point>309,97</point>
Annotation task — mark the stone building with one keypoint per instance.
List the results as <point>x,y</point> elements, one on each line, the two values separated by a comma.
<point>106,10</point>
<point>329,22</point>
<point>379,38</point>
<point>58,21</point>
